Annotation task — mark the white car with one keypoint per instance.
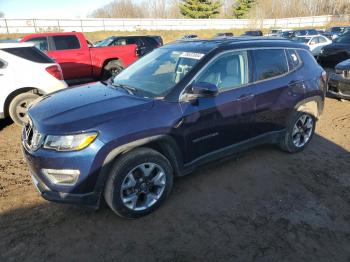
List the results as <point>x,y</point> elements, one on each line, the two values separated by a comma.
<point>315,42</point>
<point>25,74</point>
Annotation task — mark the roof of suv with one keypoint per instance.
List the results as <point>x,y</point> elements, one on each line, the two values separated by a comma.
<point>205,46</point>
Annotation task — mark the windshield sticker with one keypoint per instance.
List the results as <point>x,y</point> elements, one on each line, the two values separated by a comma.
<point>196,56</point>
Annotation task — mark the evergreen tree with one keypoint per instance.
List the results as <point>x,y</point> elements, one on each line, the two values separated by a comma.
<point>241,9</point>
<point>200,8</point>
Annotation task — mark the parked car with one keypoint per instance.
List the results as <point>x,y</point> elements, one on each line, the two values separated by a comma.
<point>25,74</point>
<point>304,32</point>
<point>339,81</point>
<point>286,34</point>
<point>145,44</point>
<point>183,105</point>
<point>252,33</point>
<point>332,31</point>
<point>78,59</point>
<point>223,35</point>
<point>338,51</point>
<point>277,32</point>
<point>315,43</point>
<point>190,36</point>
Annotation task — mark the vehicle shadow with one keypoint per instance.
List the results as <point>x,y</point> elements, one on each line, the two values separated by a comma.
<point>5,122</point>
<point>260,205</point>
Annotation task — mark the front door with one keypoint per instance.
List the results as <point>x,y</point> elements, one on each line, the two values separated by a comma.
<point>213,123</point>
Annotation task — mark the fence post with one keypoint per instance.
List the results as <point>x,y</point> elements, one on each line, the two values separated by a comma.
<point>104,26</point>
<point>7,28</point>
<point>81,25</point>
<point>58,24</point>
<point>34,25</point>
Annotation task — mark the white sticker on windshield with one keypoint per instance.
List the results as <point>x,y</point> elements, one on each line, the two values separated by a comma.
<point>196,56</point>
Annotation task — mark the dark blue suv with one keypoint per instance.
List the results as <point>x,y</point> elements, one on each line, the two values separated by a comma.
<point>181,106</point>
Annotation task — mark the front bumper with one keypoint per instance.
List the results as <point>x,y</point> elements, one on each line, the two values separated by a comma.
<point>90,199</point>
<point>339,86</point>
<point>84,191</point>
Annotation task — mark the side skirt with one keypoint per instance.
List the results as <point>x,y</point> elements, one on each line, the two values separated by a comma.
<point>268,138</point>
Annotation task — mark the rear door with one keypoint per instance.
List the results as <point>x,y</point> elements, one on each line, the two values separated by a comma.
<point>73,58</point>
<point>6,83</point>
<point>278,85</point>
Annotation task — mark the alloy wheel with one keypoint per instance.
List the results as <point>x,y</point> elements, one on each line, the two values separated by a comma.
<point>302,130</point>
<point>143,186</point>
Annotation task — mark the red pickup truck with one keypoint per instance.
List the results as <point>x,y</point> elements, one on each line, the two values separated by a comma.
<point>79,59</point>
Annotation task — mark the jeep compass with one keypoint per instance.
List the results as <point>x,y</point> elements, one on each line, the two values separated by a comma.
<point>181,106</point>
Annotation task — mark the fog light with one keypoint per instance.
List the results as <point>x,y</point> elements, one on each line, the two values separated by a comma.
<point>62,176</point>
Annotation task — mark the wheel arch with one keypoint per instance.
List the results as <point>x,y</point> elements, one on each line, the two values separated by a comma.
<point>17,92</point>
<point>164,144</point>
<point>311,105</point>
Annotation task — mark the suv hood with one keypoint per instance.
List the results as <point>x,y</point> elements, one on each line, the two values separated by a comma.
<point>345,65</point>
<point>84,107</point>
<point>336,47</point>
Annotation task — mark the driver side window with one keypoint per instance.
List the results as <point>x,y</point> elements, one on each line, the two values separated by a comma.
<point>228,71</point>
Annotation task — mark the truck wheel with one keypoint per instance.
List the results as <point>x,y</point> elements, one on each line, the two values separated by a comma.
<point>299,132</point>
<point>19,106</point>
<point>112,68</point>
<point>138,183</point>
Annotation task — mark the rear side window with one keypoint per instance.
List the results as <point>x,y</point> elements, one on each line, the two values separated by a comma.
<point>269,63</point>
<point>293,59</point>
<point>39,42</point>
<point>65,42</point>
<point>30,53</point>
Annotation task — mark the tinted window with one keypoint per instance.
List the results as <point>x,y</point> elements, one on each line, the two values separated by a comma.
<point>293,59</point>
<point>39,42</point>
<point>226,72</point>
<point>30,53</point>
<point>64,42</point>
<point>343,39</point>
<point>269,63</point>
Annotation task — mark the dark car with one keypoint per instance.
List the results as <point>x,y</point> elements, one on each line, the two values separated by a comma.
<point>252,33</point>
<point>338,51</point>
<point>332,31</point>
<point>181,106</point>
<point>339,81</point>
<point>286,34</point>
<point>304,32</point>
<point>190,36</point>
<point>145,44</point>
<point>223,35</point>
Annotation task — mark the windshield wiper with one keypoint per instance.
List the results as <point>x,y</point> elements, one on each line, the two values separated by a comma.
<point>129,89</point>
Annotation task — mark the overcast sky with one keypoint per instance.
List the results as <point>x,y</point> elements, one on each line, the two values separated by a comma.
<point>49,8</point>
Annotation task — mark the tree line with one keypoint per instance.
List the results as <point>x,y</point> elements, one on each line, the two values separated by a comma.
<point>221,8</point>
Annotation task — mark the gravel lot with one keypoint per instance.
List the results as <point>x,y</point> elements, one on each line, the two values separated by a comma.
<point>262,205</point>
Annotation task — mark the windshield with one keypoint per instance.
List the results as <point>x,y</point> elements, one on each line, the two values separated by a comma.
<point>344,39</point>
<point>105,42</point>
<point>157,73</point>
<point>302,39</point>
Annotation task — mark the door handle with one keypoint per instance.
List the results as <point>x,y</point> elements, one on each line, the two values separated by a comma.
<point>246,97</point>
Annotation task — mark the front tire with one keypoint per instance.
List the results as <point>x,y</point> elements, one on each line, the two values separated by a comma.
<point>112,68</point>
<point>138,183</point>
<point>19,106</point>
<point>299,133</point>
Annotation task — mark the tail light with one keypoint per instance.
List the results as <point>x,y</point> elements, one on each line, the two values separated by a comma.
<point>55,71</point>
<point>324,76</point>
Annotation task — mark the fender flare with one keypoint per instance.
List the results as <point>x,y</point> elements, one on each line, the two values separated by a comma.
<point>312,105</point>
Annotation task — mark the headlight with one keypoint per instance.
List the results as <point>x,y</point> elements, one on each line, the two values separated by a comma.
<point>69,143</point>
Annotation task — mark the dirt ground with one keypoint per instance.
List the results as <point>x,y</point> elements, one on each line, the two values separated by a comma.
<point>262,205</point>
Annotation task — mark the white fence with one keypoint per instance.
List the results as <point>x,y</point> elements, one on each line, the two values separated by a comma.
<point>94,24</point>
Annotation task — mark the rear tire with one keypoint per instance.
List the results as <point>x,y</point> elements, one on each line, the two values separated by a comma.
<point>138,183</point>
<point>19,106</point>
<point>299,133</point>
<point>112,68</point>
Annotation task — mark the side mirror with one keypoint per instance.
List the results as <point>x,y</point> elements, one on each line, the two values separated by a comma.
<point>204,89</point>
